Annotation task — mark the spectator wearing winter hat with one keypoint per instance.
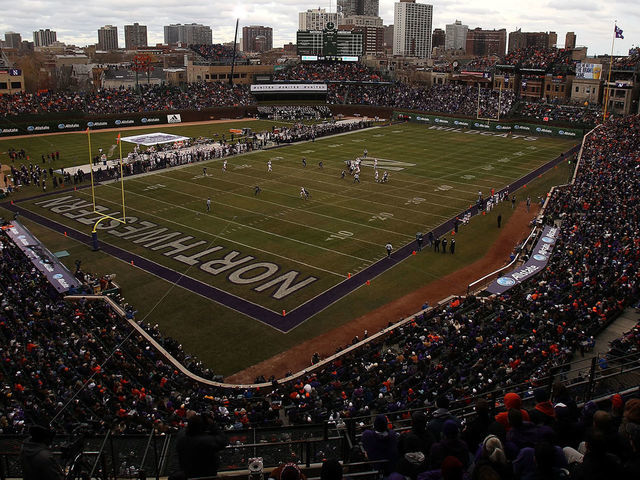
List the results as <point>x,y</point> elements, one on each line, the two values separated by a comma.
<point>511,401</point>
<point>522,434</point>
<point>381,443</point>
<point>450,445</point>
<point>542,413</point>
<point>493,461</point>
<point>542,462</point>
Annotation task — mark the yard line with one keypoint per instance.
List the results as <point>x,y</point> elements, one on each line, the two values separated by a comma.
<point>242,225</point>
<point>349,198</point>
<point>218,236</point>
<point>307,210</point>
<point>265,216</point>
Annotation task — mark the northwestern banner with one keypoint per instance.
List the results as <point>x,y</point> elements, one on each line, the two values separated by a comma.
<point>536,263</point>
<point>56,273</point>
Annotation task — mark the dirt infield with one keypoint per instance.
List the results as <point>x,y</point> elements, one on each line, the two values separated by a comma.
<point>455,283</point>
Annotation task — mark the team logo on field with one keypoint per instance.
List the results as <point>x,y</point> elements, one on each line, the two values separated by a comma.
<point>386,164</point>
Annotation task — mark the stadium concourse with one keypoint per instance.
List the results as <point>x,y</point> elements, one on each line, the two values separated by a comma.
<point>66,363</point>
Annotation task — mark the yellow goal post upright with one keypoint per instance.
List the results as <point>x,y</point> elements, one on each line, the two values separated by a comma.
<point>101,215</point>
<point>489,119</point>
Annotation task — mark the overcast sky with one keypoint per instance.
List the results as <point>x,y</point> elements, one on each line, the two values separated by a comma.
<point>77,22</point>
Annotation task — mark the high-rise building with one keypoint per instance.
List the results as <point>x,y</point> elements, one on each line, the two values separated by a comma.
<point>12,39</point>
<point>520,39</point>
<point>358,7</point>
<point>412,29</point>
<point>316,20</point>
<point>44,38</point>
<point>438,38</point>
<point>108,38</point>
<point>188,34</point>
<point>388,36</point>
<point>372,36</point>
<point>135,36</point>
<point>570,40</point>
<point>362,21</point>
<point>257,38</point>
<point>486,42</point>
<point>456,36</point>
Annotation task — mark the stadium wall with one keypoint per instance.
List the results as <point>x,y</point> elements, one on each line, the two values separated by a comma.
<point>491,128</point>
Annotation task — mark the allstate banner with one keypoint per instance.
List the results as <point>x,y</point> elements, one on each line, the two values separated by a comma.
<point>536,263</point>
<point>57,274</point>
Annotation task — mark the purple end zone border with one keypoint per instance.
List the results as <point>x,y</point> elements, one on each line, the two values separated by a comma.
<point>257,312</point>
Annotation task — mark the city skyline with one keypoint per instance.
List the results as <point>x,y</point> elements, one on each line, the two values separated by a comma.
<point>592,22</point>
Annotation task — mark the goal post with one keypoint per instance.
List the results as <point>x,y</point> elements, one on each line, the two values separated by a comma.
<point>489,119</point>
<point>103,216</point>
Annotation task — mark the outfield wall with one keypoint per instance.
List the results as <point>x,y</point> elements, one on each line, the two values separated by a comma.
<point>500,128</point>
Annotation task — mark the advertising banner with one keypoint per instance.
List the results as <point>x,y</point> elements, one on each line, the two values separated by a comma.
<point>536,263</point>
<point>588,71</point>
<point>57,274</point>
<point>488,126</point>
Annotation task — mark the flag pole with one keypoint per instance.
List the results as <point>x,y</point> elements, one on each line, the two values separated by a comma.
<point>607,92</point>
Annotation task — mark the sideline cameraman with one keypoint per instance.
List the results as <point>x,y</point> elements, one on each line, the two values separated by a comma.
<point>36,457</point>
<point>198,446</point>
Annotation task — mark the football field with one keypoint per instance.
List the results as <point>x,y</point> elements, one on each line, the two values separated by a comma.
<point>272,249</point>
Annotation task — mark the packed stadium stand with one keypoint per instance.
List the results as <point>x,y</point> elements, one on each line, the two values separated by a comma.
<point>81,363</point>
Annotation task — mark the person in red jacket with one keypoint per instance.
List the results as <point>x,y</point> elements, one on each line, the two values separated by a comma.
<point>511,400</point>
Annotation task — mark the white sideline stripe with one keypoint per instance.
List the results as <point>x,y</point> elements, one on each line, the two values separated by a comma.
<point>218,236</point>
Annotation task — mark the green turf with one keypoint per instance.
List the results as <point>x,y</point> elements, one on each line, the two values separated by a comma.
<point>416,198</point>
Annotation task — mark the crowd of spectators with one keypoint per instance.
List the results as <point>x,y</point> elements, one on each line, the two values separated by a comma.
<point>548,59</point>
<point>446,98</point>
<point>338,72</point>
<point>294,112</point>
<point>50,348</point>
<point>481,64</point>
<point>217,52</point>
<point>629,62</point>
<point>195,96</point>
<point>81,363</point>
<point>544,111</point>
